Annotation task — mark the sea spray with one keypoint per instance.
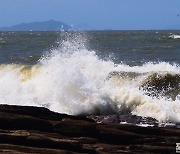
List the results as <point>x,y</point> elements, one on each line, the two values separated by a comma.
<point>74,80</point>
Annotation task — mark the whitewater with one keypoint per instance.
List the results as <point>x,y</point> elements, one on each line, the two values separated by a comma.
<point>74,80</point>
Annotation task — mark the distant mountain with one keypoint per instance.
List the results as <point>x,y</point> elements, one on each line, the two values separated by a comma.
<point>49,25</point>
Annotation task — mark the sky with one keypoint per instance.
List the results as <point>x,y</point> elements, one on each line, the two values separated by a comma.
<point>99,14</point>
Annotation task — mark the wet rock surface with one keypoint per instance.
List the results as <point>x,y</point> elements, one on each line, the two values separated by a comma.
<point>38,130</point>
<point>125,119</point>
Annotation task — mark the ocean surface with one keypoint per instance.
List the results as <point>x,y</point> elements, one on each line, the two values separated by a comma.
<point>93,72</point>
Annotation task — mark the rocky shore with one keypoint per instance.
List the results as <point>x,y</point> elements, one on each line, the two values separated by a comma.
<point>37,130</point>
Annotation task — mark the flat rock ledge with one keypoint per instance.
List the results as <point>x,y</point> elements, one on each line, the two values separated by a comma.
<point>26,129</point>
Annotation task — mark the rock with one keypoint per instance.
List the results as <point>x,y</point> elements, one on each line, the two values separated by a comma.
<point>37,130</point>
<point>71,127</point>
<point>125,119</point>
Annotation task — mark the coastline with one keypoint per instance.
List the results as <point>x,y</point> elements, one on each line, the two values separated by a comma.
<point>39,130</point>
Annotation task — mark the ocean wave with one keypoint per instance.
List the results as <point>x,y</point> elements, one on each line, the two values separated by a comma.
<point>174,36</point>
<point>71,79</point>
<point>2,42</point>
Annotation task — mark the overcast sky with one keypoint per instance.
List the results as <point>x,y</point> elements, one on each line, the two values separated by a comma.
<point>100,14</point>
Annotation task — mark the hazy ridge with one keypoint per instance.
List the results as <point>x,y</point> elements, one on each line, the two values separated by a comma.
<point>49,25</point>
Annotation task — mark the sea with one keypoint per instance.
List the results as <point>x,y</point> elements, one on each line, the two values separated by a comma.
<point>93,72</point>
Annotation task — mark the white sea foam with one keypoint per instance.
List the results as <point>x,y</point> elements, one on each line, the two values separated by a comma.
<point>175,36</point>
<point>73,80</point>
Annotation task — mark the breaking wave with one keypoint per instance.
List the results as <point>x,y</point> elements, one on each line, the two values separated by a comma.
<point>73,80</point>
<point>174,36</point>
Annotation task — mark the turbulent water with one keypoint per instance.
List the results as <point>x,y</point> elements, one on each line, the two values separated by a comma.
<point>95,72</point>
